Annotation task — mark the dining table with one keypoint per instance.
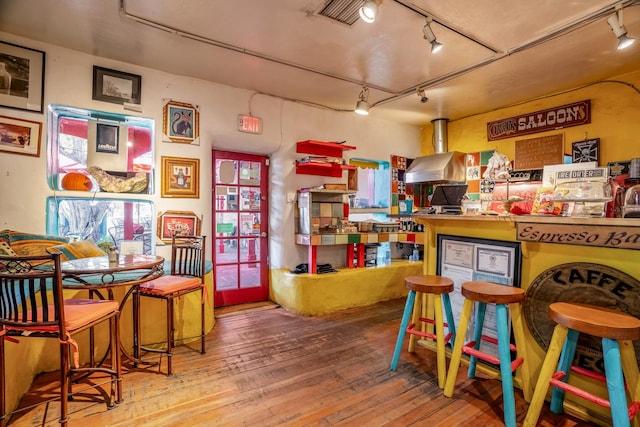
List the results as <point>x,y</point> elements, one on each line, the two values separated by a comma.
<point>100,277</point>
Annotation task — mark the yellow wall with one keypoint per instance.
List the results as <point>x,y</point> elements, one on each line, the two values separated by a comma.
<point>615,119</point>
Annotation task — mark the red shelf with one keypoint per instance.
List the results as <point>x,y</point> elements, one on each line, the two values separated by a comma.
<point>320,148</point>
<point>322,169</point>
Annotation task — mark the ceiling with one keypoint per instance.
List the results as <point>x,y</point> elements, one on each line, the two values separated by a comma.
<point>495,54</point>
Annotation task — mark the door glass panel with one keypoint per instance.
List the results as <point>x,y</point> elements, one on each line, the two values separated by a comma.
<point>227,277</point>
<point>249,198</point>
<point>226,172</point>
<point>249,173</point>
<point>249,250</point>
<point>249,275</point>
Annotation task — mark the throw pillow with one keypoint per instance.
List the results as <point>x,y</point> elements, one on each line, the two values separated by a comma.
<point>33,244</point>
<point>75,250</point>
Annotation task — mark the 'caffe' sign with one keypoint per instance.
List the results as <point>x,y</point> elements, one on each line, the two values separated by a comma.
<point>581,283</point>
<point>578,113</point>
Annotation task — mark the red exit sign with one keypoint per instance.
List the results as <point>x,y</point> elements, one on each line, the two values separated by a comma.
<point>249,124</point>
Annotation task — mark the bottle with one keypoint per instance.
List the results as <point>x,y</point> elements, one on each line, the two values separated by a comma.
<point>113,255</point>
<point>5,79</point>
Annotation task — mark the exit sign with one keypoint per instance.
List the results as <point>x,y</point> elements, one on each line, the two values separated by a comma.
<point>249,124</point>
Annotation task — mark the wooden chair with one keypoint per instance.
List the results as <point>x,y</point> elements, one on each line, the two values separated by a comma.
<point>32,305</point>
<point>187,275</point>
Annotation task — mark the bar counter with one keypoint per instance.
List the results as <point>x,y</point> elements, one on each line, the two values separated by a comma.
<point>549,243</point>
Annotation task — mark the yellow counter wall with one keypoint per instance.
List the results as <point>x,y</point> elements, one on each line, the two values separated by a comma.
<point>36,355</point>
<point>536,258</point>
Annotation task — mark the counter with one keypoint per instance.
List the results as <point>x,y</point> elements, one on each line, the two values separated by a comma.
<point>546,243</point>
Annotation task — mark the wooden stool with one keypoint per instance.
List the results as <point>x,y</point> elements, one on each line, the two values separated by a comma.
<point>439,288</point>
<point>502,296</point>
<point>617,331</point>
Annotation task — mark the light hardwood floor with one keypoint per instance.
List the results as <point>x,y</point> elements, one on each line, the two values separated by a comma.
<point>274,368</point>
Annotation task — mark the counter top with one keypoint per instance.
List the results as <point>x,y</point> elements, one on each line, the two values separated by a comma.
<point>539,219</point>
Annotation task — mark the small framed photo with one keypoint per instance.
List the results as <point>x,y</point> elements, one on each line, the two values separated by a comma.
<point>181,123</point>
<point>20,136</point>
<point>116,87</point>
<point>179,223</point>
<point>180,177</point>
<point>107,138</point>
<point>21,77</point>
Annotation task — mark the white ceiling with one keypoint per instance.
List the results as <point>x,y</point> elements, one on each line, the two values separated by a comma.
<point>496,53</point>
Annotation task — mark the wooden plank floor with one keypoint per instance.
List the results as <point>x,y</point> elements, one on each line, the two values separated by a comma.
<point>274,368</point>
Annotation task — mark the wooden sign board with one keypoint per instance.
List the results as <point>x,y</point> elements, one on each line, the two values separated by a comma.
<point>535,153</point>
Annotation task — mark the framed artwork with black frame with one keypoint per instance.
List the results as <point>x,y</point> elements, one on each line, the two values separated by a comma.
<point>115,86</point>
<point>107,138</point>
<point>21,77</point>
<point>586,151</point>
<point>464,259</point>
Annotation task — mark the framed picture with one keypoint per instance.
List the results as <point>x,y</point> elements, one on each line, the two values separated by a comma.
<point>20,136</point>
<point>116,87</point>
<point>586,151</point>
<point>107,138</point>
<point>181,123</point>
<point>180,223</point>
<point>180,177</point>
<point>21,77</point>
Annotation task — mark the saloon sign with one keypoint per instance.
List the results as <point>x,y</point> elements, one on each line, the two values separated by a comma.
<point>578,113</point>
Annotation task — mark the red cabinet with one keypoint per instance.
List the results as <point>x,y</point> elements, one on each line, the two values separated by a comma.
<point>325,158</point>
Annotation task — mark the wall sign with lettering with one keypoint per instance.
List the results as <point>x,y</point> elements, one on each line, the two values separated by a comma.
<point>586,151</point>
<point>583,283</point>
<point>535,153</point>
<point>578,113</point>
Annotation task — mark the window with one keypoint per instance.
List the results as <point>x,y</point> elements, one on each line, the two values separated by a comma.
<point>374,183</point>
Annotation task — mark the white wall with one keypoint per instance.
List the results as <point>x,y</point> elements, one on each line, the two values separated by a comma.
<point>68,81</point>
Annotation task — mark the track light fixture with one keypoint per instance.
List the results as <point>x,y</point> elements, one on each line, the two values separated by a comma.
<point>368,11</point>
<point>422,95</point>
<point>362,106</point>
<point>431,38</point>
<point>616,24</point>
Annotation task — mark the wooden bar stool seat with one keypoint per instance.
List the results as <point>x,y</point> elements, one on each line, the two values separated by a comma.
<point>618,331</point>
<point>438,288</point>
<point>505,298</point>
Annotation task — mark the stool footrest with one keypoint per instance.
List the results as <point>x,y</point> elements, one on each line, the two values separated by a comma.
<point>556,381</point>
<point>411,329</point>
<point>471,351</point>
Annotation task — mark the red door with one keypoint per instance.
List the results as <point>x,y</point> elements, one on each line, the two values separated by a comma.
<point>240,244</point>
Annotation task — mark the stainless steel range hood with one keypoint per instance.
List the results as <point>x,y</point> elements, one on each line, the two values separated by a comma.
<point>443,166</point>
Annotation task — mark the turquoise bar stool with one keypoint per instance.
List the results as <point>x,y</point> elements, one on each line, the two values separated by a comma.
<point>618,331</point>
<point>439,288</point>
<point>506,299</point>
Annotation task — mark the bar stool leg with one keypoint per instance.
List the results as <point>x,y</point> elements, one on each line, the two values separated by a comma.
<point>418,311</point>
<point>449,313</point>
<point>456,353</point>
<point>477,338</point>
<point>408,307</point>
<point>504,352</point>
<point>440,354</point>
<point>631,373</point>
<point>615,382</point>
<point>546,371</point>
<point>564,365</point>
<point>523,373</point>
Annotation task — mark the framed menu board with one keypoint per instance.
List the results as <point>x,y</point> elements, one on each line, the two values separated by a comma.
<point>464,259</point>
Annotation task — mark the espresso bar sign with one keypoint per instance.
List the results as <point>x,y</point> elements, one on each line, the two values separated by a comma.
<point>578,113</point>
<point>591,235</point>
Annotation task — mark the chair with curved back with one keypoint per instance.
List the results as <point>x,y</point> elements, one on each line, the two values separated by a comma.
<point>32,304</point>
<point>187,275</point>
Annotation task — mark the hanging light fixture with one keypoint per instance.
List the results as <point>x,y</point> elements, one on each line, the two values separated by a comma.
<point>362,106</point>
<point>422,95</point>
<point>616,24</point>
<point>368,11</point>
<point>431,38</point>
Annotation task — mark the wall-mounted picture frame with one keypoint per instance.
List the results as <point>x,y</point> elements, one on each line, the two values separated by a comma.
<point>21,77</point>
<point>107,138</point>
<point>586,151</point>
<point>181,123</point>
<point>180,223</point>
<point>180,177</point>
<point>18,136</point>
<point>116,87</point>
